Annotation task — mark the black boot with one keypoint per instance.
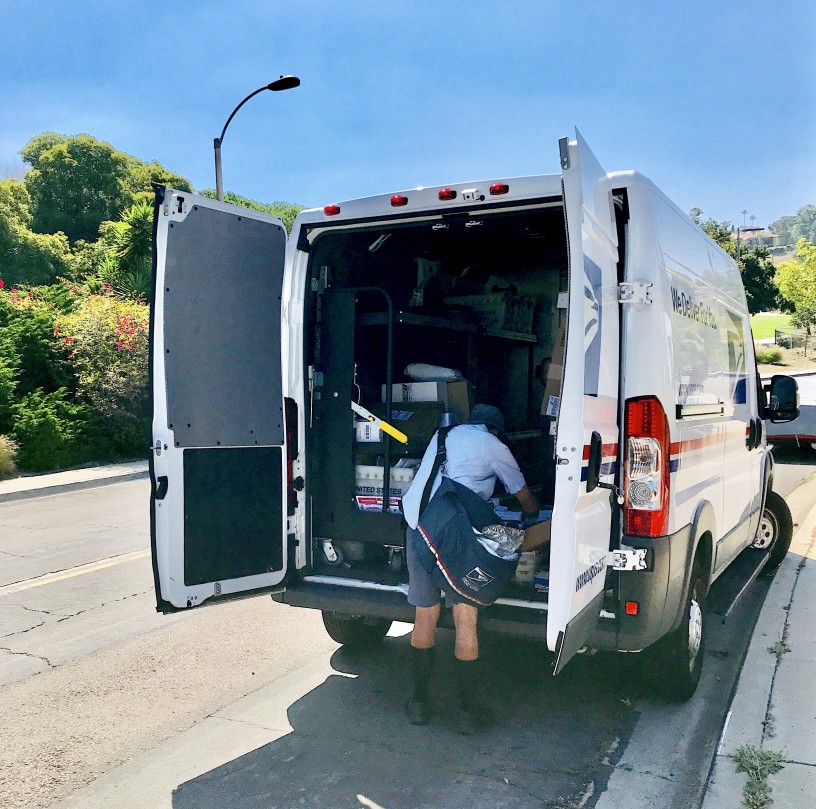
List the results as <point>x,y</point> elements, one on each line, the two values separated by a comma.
<point>474,715</point>
<point>419,706</point>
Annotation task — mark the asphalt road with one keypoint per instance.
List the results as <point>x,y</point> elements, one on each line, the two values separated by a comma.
<point>97,690</point>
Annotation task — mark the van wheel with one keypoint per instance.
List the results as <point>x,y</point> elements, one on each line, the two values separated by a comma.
<point>355,631</point>
<point>775,530</point>
<point>679,656</point>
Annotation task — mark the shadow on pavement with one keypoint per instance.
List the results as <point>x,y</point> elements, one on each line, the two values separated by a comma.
<point>352,746</point>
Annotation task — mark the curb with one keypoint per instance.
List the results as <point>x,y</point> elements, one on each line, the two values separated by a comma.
<point>754,691</point>
<point>71,486</point>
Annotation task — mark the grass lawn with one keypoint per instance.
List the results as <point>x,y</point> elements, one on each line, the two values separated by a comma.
<point>763,325</point>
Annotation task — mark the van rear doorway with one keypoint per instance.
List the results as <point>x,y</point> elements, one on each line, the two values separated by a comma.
<point>472,294</point>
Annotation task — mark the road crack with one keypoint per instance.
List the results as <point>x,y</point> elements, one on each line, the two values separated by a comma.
<point>104,604</point>
<point>28,654</point>
<point>23,631</point>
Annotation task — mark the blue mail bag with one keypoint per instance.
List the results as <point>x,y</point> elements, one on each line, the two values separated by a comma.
<point>454,557</point>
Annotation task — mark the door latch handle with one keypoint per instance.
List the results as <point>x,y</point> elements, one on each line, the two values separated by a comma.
<point>161,489</point>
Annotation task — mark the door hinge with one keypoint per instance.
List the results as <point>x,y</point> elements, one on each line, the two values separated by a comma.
<point>563,150</point>
<point>635,292</point>
<point>628,559</point>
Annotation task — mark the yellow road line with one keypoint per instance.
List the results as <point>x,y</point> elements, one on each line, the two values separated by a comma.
<point>71,572</point>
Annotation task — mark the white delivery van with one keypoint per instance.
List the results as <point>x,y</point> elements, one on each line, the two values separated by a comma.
<point>609,329</point>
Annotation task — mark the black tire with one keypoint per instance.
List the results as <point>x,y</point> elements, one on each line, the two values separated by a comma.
<point>354,631</point>
<point>775,530</point>
<point>678,657</point>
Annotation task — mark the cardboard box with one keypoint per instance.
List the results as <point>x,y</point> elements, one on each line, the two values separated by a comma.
<point>552,389</point>
<point>528,563</point>
<point>537,536</point>
<point>369,481</point>
<point>367,432</point>
<point>502,311</point>
<point>374,504</point>
<point>456,396</point>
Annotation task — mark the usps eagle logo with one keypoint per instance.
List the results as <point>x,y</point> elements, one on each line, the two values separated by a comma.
<point>478,578</point>
<point>592,312</point>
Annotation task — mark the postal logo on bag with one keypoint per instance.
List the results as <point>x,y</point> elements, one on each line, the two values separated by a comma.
<point>477,578</point>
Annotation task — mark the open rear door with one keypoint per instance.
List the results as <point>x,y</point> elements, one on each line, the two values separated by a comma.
<point>582,521</point>
<point>218,455</point>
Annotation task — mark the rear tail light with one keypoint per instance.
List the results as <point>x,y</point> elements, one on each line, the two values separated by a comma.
<point>646,468</point>
<point>331,210</point>
<point>447,193</point>
<point>290,414</point>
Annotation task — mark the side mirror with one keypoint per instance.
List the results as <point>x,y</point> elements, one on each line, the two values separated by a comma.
<point>784,400</point>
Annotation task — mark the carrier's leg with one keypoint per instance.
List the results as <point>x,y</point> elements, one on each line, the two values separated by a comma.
<point>473,714</point>
<point>423,653</point>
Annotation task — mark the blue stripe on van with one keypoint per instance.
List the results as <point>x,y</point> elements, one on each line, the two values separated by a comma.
<point>606,469</point>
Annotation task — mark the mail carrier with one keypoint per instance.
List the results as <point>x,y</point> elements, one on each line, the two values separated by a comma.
<point>297,382</point>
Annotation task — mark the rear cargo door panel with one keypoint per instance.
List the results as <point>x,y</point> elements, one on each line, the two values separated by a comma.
<point>218,445</point>
<point>582,521</point>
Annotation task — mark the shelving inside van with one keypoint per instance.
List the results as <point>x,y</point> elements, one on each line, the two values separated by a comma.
<point>473,294</point>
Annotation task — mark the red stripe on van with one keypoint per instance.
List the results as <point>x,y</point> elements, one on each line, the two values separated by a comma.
<point>608,451</point>
<point>679,447</point>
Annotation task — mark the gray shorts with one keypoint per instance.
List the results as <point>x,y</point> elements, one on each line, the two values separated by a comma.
<point>422,591</point>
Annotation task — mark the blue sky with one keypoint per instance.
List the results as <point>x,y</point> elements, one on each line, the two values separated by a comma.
<point>714,101</point>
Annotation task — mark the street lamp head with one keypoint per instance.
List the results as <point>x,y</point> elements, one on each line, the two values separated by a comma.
<point>284,83</point>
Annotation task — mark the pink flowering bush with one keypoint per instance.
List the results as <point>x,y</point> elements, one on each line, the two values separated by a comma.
<point>73,375</point>
<point>107,341</point>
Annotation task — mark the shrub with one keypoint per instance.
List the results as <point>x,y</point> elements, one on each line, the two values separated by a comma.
<point>50,431</point>
<point>769,356</point>
<point>109,342</point>
<point>29,345</point>
<point>8,454</point>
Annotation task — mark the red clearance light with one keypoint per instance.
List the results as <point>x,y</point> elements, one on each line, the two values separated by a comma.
<point>631,607</point>
<point>499,188</point>
<point>398,200</point>
<point>331,210</point>
<point>447,193</point>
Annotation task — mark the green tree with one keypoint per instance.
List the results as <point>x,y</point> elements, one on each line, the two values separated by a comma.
<point>27,257</point>
<point>755,264</point>
<point>287,211</point>
<point>758,278</point>
<point>77,182</point>
<point>719,231</point>
<point>129,268</point>
<point>144,175</point>
<point>796,280</point>
<point>800,226</point>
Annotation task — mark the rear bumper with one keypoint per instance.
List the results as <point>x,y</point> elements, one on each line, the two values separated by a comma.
<point>363,599</point>
<point>658,592</point>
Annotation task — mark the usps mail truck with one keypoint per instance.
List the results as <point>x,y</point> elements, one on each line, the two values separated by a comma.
<point>608,328</point>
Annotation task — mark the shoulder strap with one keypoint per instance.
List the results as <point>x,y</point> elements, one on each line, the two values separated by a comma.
<point>441,454</point>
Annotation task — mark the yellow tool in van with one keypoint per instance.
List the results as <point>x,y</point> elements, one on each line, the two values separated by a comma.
<point>383,425</point>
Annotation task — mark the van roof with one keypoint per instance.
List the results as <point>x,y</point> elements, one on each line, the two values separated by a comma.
<point>487,194</point>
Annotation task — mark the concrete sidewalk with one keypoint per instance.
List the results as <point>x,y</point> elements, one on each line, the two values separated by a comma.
<point>773,709</point>
<point>71,480</point>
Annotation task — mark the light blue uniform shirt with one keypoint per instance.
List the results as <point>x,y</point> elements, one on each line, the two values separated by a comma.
<point>475,458</point>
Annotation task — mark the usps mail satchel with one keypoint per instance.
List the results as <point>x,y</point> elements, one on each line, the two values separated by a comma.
<point>450,525</point>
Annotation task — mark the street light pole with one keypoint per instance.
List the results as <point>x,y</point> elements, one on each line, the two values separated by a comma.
<point>283,83</point>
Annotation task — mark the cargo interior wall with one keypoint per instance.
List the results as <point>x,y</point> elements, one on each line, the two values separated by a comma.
<point>475,297</point>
